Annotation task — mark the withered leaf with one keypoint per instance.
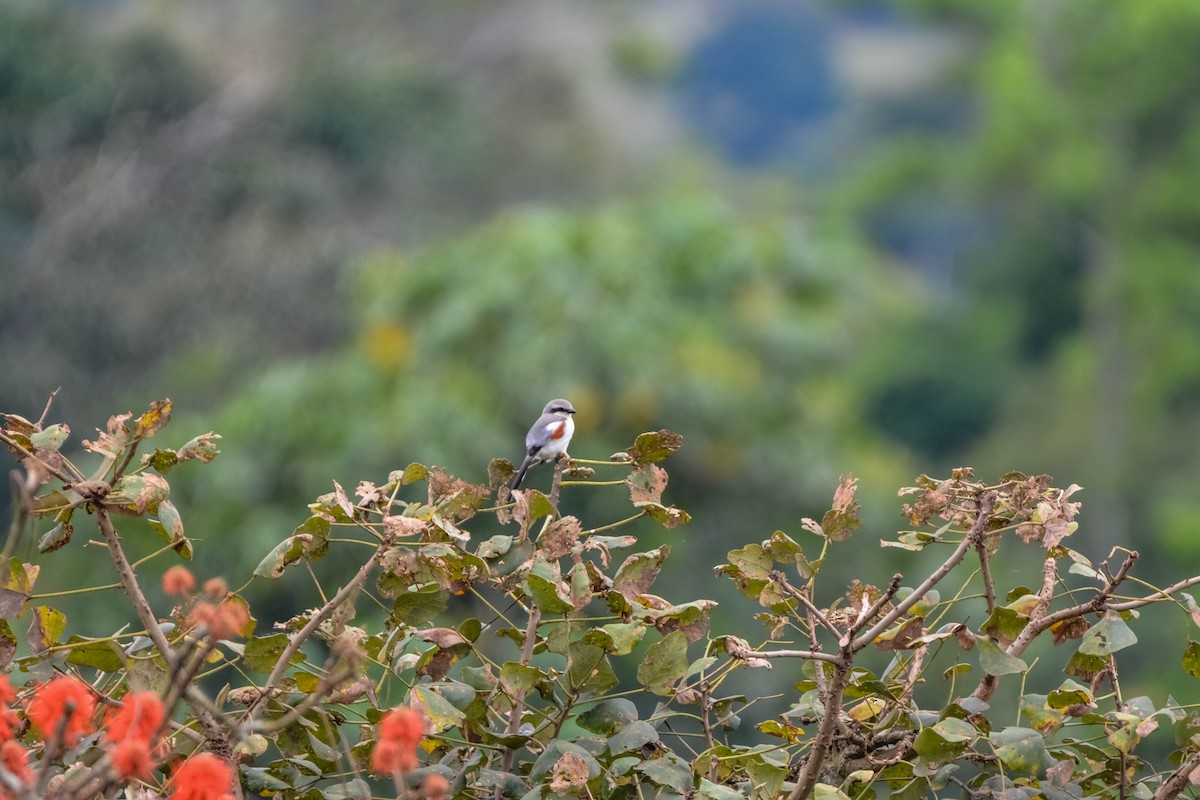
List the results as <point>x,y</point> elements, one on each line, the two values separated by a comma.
<point>646,483</point>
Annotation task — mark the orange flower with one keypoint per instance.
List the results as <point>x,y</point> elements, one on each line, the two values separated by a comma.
<point>178,580</point>
<point>224,621</point>
<point>203,777</point>
<point>436,787</point>
<point>50,705</point>
<point>216,588</point>
<point>132,758</point>
<point>400,731</point>
<point>15,761</point>
<point>140,718</point>
<point>9,722</point>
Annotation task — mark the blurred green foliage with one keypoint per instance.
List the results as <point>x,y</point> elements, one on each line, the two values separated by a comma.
<point>256,239</point>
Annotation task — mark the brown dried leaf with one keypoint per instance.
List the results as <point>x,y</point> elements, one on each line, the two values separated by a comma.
<point>646,484</point>
<point>399,526</point>
<point>155,418</point>
<point>560,538</point>
<point>569,771</point>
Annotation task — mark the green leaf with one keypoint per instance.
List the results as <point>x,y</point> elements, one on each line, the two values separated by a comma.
<point>1068,694</point>
<point>412,473</point>
<point>170,527</point>
<point>154,419</point>
<point>995,661</point>
<point>618,638</point>
<point>1036,709</point>
<point>1191,659</point>
<point>496,546</point>
<point>260,781</point>
<point>669,770</point>
<point>262,652</point>
<point>1021,750</point>
<point>654,446</point>
<point>137,494</point>
<point>310,540</point>
<point>1107,636</point>
<point>638,572</point>
<point>57,536</point>
<point>357,789</point>
<point>44,629</point>
<point>104,655</point>
<point>419,607</point>
<point>667,516</point>
<point>665,663</point>
<point>440,711</point>
<point>588,669</point>
<point>607,715</point>
<point>823,791</point>
<point>51,438</point>
<point>556,750</point>
<point>783,549</point>
<point>631,737</point>
<point>715,791</point>
<point>8,644</point>
<point>517,678</point>
<point>161,461</point>
<point>545,585</point>
<point>201,448</point>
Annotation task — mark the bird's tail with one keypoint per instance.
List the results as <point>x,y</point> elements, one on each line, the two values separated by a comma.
<point>525,465</point>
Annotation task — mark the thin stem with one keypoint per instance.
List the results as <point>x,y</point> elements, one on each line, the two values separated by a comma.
<point>311,626</point>
<point>616,524</point>
<point>986,503</point>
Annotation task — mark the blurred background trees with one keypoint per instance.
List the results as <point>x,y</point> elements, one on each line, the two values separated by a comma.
<point>815,238</point>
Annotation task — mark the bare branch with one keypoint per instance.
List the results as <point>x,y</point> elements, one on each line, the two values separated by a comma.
<point>873,609</point>
<point>1179,779</point>
<point>746,653</point>
<point>986,503</point>
<point>807,778</point>
<point>780,579</point>
<point>302,636</point>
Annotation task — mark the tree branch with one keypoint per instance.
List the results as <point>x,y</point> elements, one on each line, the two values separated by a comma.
<point>986,503</point>
<point>311,626</point>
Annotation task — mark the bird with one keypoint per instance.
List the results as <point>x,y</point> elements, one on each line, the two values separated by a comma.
<point>548,438</point>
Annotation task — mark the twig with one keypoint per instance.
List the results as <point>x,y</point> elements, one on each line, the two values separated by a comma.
<point>745,653</point>
<point>311,626</point>
<point>869,614</point>
<point>518,708</point>
<point>556,481</point>
<point>15,445</point>
<point>780,579</point>
<point>50,751</point>
<point>985,570</point>
<point>46,410</point>
<point>807,778</point>
<point>986,504</point>
<point>1179,779</point>
<point>216,736</point>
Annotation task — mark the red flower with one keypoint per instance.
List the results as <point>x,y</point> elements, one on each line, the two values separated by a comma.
<point>132,758</point>
<point>203,777</point>
<point>9,722</point>
<point>400,731</point>
<point>216,588</point>
<point>50,705</point>
<point>15,761</point>
<point>140,718</point>
<point>178,580</point>
<point>436,787</point>
<point>224,621</point>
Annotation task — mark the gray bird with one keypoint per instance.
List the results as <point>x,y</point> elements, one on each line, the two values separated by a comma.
<point>548,438</point>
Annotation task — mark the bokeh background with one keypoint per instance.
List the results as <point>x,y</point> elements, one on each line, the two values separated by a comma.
<point>881,238</point>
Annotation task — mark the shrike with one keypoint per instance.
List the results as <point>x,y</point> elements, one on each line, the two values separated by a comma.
<point>548,438</point>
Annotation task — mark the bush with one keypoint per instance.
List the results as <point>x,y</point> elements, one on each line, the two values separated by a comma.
<point>537,707</point>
